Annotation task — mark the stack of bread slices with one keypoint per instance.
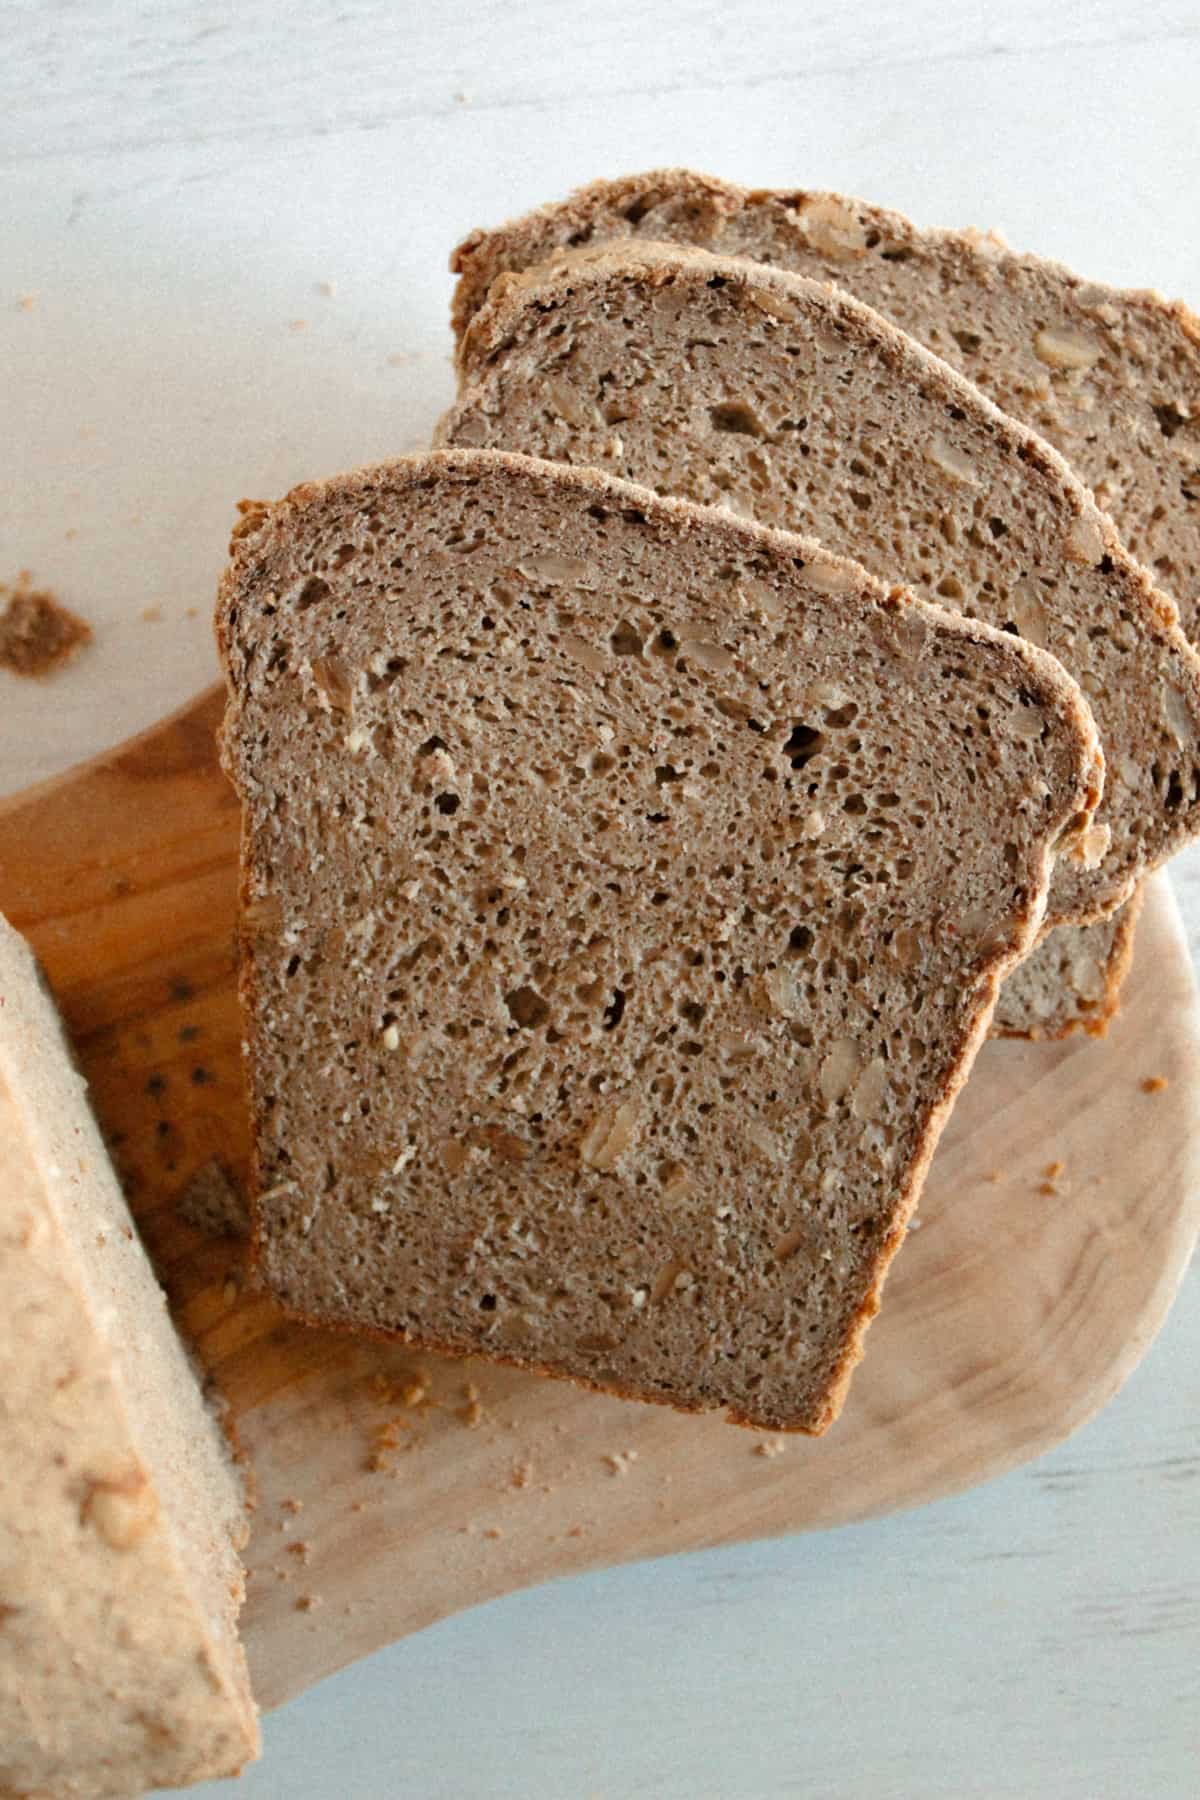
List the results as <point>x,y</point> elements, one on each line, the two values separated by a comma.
<point>653,796</point>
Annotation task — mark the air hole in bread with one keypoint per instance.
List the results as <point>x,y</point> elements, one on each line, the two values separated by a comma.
<point>803,745</point>
<point>527,1007</point>
<point>738,417</point>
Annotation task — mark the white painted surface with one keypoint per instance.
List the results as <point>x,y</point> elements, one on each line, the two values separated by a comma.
<point>177,180</point>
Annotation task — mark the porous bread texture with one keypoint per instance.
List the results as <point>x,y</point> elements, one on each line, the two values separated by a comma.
<point>625,892</point>
<point>793,403</point>
<point>120,1666</point>
<point>1071,981</point>
<point>1109,376</point>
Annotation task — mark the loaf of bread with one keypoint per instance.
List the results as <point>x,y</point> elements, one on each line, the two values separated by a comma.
<point>729,382</point>
<point>625,893</point>
<point>1110,377</point>
<point>120,1510</point>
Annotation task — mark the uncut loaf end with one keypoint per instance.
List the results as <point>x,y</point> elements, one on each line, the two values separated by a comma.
<point>120,1510</point>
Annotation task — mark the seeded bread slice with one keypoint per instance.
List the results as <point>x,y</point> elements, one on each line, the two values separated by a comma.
<point>1111,377</point>
<point>1071,981</point>
<point>729,382</point>
<point>120,1666</point>
<point>625,892</point>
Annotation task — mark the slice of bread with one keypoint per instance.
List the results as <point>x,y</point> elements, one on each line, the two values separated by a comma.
<point>625,893</point>
<point>729,382</point>
<point>1109,376</point>
<point>1071,981</point>
<point>121,1513</point>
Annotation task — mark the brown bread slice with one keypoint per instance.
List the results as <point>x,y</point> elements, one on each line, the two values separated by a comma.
<point>625,892</point>
<point>120,1512</point>
<point>1071,981</point>
<point>793,403</point>
<point>1111,377</point>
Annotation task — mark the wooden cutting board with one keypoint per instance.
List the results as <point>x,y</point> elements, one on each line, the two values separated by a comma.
<point>396,1487</point>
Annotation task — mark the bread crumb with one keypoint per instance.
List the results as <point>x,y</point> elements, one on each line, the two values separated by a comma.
<point>576,1531</point>
<point>299,1548</point>
<point>297,324</point>
<point>38,635</point>
<point>327,289</point>
<point>152,614</point>
<point>472,1414</point>
<point>1154,1084</point>
<point>915,1224</point>
<point>385,1440</point>
<point>400,359</point>
<point>210,1202</point>
<point>462,98</point>
<point>993,1175</point>
<point>307,1602</point>
<point>191,612</point>
<point>1053,1170</point>
<point>294,1506</point>
<point>522,1475</point>
<point>493,1531</point>
<point>771,1447</point>
<point>26,302</point>
<point>620,1461</point>
<point>1047,1187</point>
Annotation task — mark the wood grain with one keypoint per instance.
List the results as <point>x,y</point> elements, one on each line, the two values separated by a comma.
<point>1012,1315</point>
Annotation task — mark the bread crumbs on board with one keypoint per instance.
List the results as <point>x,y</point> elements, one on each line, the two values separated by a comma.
<point>618,1462</point>
<point>386,1440</point>
<point>38,635</point>
<point>1154,1084</point>
<point>771,1447</point>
